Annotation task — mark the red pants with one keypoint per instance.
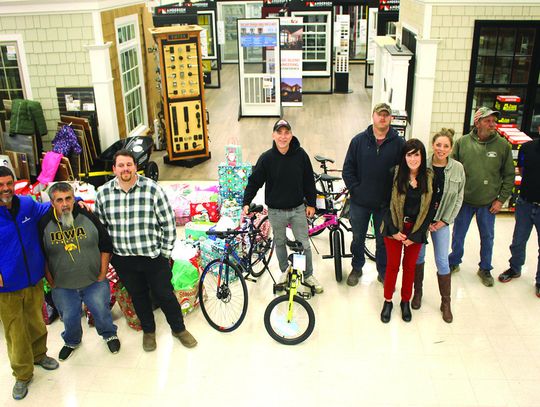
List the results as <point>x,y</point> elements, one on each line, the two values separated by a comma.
<point>393,259</point>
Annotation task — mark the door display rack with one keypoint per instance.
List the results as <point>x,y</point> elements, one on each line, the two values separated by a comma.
<point>259,81</point>
<point>228,14</point>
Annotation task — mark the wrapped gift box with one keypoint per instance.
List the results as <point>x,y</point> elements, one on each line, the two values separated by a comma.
<point>233,181</point>
<point>196,230</point>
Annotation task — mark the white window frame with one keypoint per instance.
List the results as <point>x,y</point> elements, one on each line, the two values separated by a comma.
<point>132,44</point>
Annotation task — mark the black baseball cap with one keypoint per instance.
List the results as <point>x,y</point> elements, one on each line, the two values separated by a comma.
<point>282,123</point>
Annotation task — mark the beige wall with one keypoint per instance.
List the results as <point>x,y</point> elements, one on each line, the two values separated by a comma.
<point>55,55</point>
<point>454,26</point>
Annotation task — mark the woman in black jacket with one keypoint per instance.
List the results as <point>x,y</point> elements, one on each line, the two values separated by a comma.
<point>406,223</point>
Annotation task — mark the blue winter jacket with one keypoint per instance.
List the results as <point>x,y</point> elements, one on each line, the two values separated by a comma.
<point>22,263</point>
<point>367,170</point>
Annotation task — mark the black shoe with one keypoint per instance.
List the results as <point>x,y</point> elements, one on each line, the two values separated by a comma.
<point>508,275</point>
<point>386,311</point>
<point>113,344</point>
<point>538,290</point>
<point>66,352</point>
<point>405,311</point>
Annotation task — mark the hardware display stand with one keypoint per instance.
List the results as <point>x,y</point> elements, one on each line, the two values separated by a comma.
<point>182,90</point>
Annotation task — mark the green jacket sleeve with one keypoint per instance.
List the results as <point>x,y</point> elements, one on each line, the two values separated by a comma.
<point>507,175</point>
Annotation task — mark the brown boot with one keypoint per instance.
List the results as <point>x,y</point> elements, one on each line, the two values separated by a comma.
<point>445,287</point>
<point>416,302</point>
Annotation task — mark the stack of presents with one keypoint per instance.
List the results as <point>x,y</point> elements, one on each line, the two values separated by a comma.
<point>198,209</point>
<point>507,127</point>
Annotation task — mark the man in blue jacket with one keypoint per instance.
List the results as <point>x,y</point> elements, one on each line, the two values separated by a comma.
<point>22,269</point>
<point>367,174</point>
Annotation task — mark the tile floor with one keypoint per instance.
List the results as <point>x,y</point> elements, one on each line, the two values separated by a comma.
<point>489,356</point>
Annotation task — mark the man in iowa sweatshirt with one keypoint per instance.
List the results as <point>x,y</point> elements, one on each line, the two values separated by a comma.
<point>489,172</point>
<point>287,172</point>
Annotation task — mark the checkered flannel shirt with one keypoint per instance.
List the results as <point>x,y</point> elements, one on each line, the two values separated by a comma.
<point>141,221</point>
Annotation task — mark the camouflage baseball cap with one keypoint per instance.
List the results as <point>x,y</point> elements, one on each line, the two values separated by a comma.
<point>382,107</point>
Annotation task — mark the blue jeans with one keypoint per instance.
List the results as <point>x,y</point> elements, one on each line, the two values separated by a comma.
<point>441,242</point>
<point>527,216</point>
<point>97,297</point>
<point>486,227</point>
<point>296,218</point>
<point>360,217</point>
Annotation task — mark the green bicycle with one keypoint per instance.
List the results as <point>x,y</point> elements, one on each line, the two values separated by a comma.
<point>289,319</point>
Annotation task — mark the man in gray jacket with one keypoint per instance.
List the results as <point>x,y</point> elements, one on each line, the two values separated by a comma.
<point>77,248</point>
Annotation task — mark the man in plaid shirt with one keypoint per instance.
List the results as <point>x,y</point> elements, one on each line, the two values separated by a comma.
<point>140,221</point>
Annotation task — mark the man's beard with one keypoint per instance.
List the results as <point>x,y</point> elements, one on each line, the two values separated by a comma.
<point>67,219</point>
<point>6,200</point>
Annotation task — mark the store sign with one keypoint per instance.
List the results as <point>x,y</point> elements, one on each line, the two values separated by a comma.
<point>291,42</point>
<point>388,5</point>
<point>170,10</point>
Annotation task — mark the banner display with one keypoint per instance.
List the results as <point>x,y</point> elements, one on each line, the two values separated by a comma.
<point>291,30</point>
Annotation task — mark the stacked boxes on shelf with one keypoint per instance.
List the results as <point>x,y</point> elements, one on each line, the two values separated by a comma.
<point>509,108</point>
<point>516,138</point>
<point>399,121</point>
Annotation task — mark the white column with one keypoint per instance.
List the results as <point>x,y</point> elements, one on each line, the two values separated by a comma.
<point>424,85</point>
<point>396,76</point>
<point>379,69</point>
<point>102,80</point>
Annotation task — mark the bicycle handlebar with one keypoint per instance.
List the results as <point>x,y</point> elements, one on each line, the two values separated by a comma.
<point>225,233</point>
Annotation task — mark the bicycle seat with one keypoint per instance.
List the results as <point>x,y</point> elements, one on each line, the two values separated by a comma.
<point>322,159</point>
<point>295,245</point>
<point>255,208</point>
<point>326,177</point>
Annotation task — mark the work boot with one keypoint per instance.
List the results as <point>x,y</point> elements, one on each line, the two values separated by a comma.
<point>354,277</point>
<point>149,341</point>
<point>485,276</point>
<point>416,302</point>
<point>186,338</point>
<point>445,288</point>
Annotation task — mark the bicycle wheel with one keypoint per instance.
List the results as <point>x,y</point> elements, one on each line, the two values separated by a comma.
<point>283,331</point>
<point>263,248</point>
<point>336,248</point>
<point>317,220</point>
<point>224,304</point>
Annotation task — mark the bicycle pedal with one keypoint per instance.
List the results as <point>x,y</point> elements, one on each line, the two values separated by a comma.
<point>280,287</point>
<point>253,280</point>
<point>305,295</point>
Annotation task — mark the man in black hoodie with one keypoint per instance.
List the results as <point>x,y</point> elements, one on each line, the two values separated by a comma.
<point>367,174</point>
<point>287,172</point>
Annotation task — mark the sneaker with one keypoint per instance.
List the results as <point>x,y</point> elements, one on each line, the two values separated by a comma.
<point>354,277</point>
<point>186,338</point>
<point>48,363</point>
<point>113,343</point>
<point>149,341</point>
<point>66,352</point>
<point>486,277</point>
<point>537,290</point>
<point>380,279</point>
<point>20,390</point>
<point>312,281</point>
<point>508,275</point>
<point>454,268</point>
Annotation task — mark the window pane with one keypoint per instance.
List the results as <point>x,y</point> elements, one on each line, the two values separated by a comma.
<point>487,41</point>
<point>507,41</point>
<point>503,68</point>
<point>525,42</point>
<point>484,69</point>
<point>522,67</point>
